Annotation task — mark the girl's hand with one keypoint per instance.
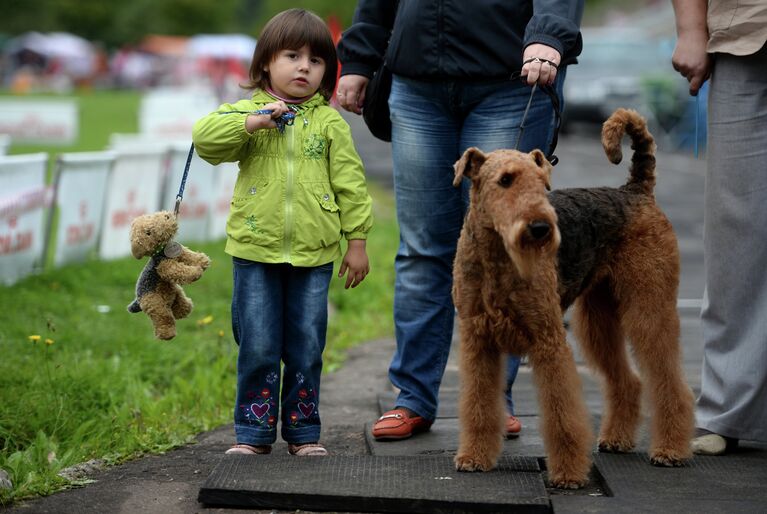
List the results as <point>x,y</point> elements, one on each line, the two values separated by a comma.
<point>356,262</point>
<point>265,121</point>
<point>539,64</point>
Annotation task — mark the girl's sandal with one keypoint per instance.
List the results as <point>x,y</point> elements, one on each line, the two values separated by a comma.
<point>307,450</point>
<point>247,449</point>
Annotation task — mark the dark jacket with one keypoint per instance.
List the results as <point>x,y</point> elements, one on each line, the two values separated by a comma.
<point>457,39</point>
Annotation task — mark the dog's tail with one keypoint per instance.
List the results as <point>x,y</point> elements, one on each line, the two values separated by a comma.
<point>642,170</point>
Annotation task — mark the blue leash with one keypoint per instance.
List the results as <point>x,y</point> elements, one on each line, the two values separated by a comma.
<point>697,122</point>
<point>286,119</point>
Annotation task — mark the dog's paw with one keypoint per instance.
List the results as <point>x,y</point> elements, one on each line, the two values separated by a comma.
<point>565,481</point>
<point>669,458</point>
<point>464,462</point>
<point>615,446</point>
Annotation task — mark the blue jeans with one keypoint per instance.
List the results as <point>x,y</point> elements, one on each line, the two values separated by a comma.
<point>432,124</point>
<point>279,313</point>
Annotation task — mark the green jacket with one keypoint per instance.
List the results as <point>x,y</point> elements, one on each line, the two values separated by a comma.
<point>297,193</point>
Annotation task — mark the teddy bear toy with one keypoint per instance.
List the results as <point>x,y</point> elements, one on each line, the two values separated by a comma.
<point>158,290</point>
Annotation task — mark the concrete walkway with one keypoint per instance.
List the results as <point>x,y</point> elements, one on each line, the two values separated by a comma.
<point>416,474</point>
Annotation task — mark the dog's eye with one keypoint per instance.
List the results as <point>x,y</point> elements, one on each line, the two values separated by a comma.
<point>506,180</point>
<point>148,232</point>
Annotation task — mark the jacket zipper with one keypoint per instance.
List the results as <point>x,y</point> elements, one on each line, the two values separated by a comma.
<point>288,235</point>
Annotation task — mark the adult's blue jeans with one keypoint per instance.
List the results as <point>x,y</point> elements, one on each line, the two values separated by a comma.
<point>433,123</point>
<point>279,314</point>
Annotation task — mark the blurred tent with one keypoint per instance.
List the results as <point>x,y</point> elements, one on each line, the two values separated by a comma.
<point>66,53</point>
<point>157,60</point>
<point>162,45</point>
<point>221,46</point>
<point>221,61</point>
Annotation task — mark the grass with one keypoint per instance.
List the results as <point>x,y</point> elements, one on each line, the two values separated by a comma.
<point>96,384</point>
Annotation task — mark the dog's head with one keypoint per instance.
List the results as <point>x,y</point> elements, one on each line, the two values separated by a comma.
<point>150,232</point>
<point>508,196</point>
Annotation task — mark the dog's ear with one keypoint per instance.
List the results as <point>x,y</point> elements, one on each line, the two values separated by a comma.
<point>540,160</point>
<point>469,162</point>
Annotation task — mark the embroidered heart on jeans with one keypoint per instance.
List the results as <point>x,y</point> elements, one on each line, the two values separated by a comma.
<point>259,410</point>
<point>306,409</point>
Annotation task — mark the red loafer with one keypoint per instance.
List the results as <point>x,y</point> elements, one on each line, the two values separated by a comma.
<point>513,427</point>
<point>396,424</point>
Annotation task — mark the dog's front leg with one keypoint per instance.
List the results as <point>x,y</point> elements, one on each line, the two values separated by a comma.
<point>566,425</point>
<point>481,408</point>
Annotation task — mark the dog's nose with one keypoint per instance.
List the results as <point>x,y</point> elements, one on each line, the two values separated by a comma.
<point>539,229</point>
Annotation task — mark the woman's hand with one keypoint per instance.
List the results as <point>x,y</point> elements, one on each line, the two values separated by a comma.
<point>691,60</point>
<point>351,92</point>
<point>265,121</point>
<point>356,262</point>
<point>540,64</point>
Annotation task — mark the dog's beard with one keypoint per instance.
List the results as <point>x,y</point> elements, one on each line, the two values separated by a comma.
<point>526,253</point>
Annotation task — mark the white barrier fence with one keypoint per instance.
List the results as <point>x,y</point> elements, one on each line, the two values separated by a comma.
<point>134,189</point>
<point>5,143</point>
<point>97,196</point>
<point>23,201</point>
<point>81,180</point>
<point>39,120</point>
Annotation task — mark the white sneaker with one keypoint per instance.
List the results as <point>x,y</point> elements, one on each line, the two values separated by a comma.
<point>709,444</point>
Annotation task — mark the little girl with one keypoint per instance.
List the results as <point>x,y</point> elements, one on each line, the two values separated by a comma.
<point>300,190</point>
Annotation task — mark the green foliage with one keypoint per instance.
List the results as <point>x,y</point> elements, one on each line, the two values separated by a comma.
<point>116,22</point>
<point>104,387</point>
<point>341,9</point>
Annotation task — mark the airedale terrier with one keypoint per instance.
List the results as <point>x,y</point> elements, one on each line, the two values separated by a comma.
<point>524,256</point>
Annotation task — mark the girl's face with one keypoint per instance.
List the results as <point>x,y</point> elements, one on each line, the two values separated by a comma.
<point>294,74</point>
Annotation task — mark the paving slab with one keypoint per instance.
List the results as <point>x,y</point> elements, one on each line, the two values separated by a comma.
<point>374,484</point>
<point>442,438</point>
<point>524,392</point>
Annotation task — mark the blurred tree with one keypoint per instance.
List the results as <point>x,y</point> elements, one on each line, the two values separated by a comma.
<point>189,17</point>
<point>343,9</point>
<point>24,15</point>
<point>86,18</point>
<point>116,22</point>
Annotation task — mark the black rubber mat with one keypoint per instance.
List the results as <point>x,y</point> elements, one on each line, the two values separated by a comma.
<point>569,504</point>
<point>739,476</point>
<point>373,484</point>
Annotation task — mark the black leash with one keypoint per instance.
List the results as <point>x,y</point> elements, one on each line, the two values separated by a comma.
<point>552,94</point>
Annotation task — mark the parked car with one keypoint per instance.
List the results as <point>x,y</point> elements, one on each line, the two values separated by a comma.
<point>624,69</point>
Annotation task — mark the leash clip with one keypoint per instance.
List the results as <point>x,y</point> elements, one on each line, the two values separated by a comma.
<point>177,207</point>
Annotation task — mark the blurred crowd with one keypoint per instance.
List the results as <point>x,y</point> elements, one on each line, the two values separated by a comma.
<point>626,63</point>
<point>61,62</point>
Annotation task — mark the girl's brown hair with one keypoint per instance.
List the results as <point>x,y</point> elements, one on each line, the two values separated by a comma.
<point>293,29</point>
